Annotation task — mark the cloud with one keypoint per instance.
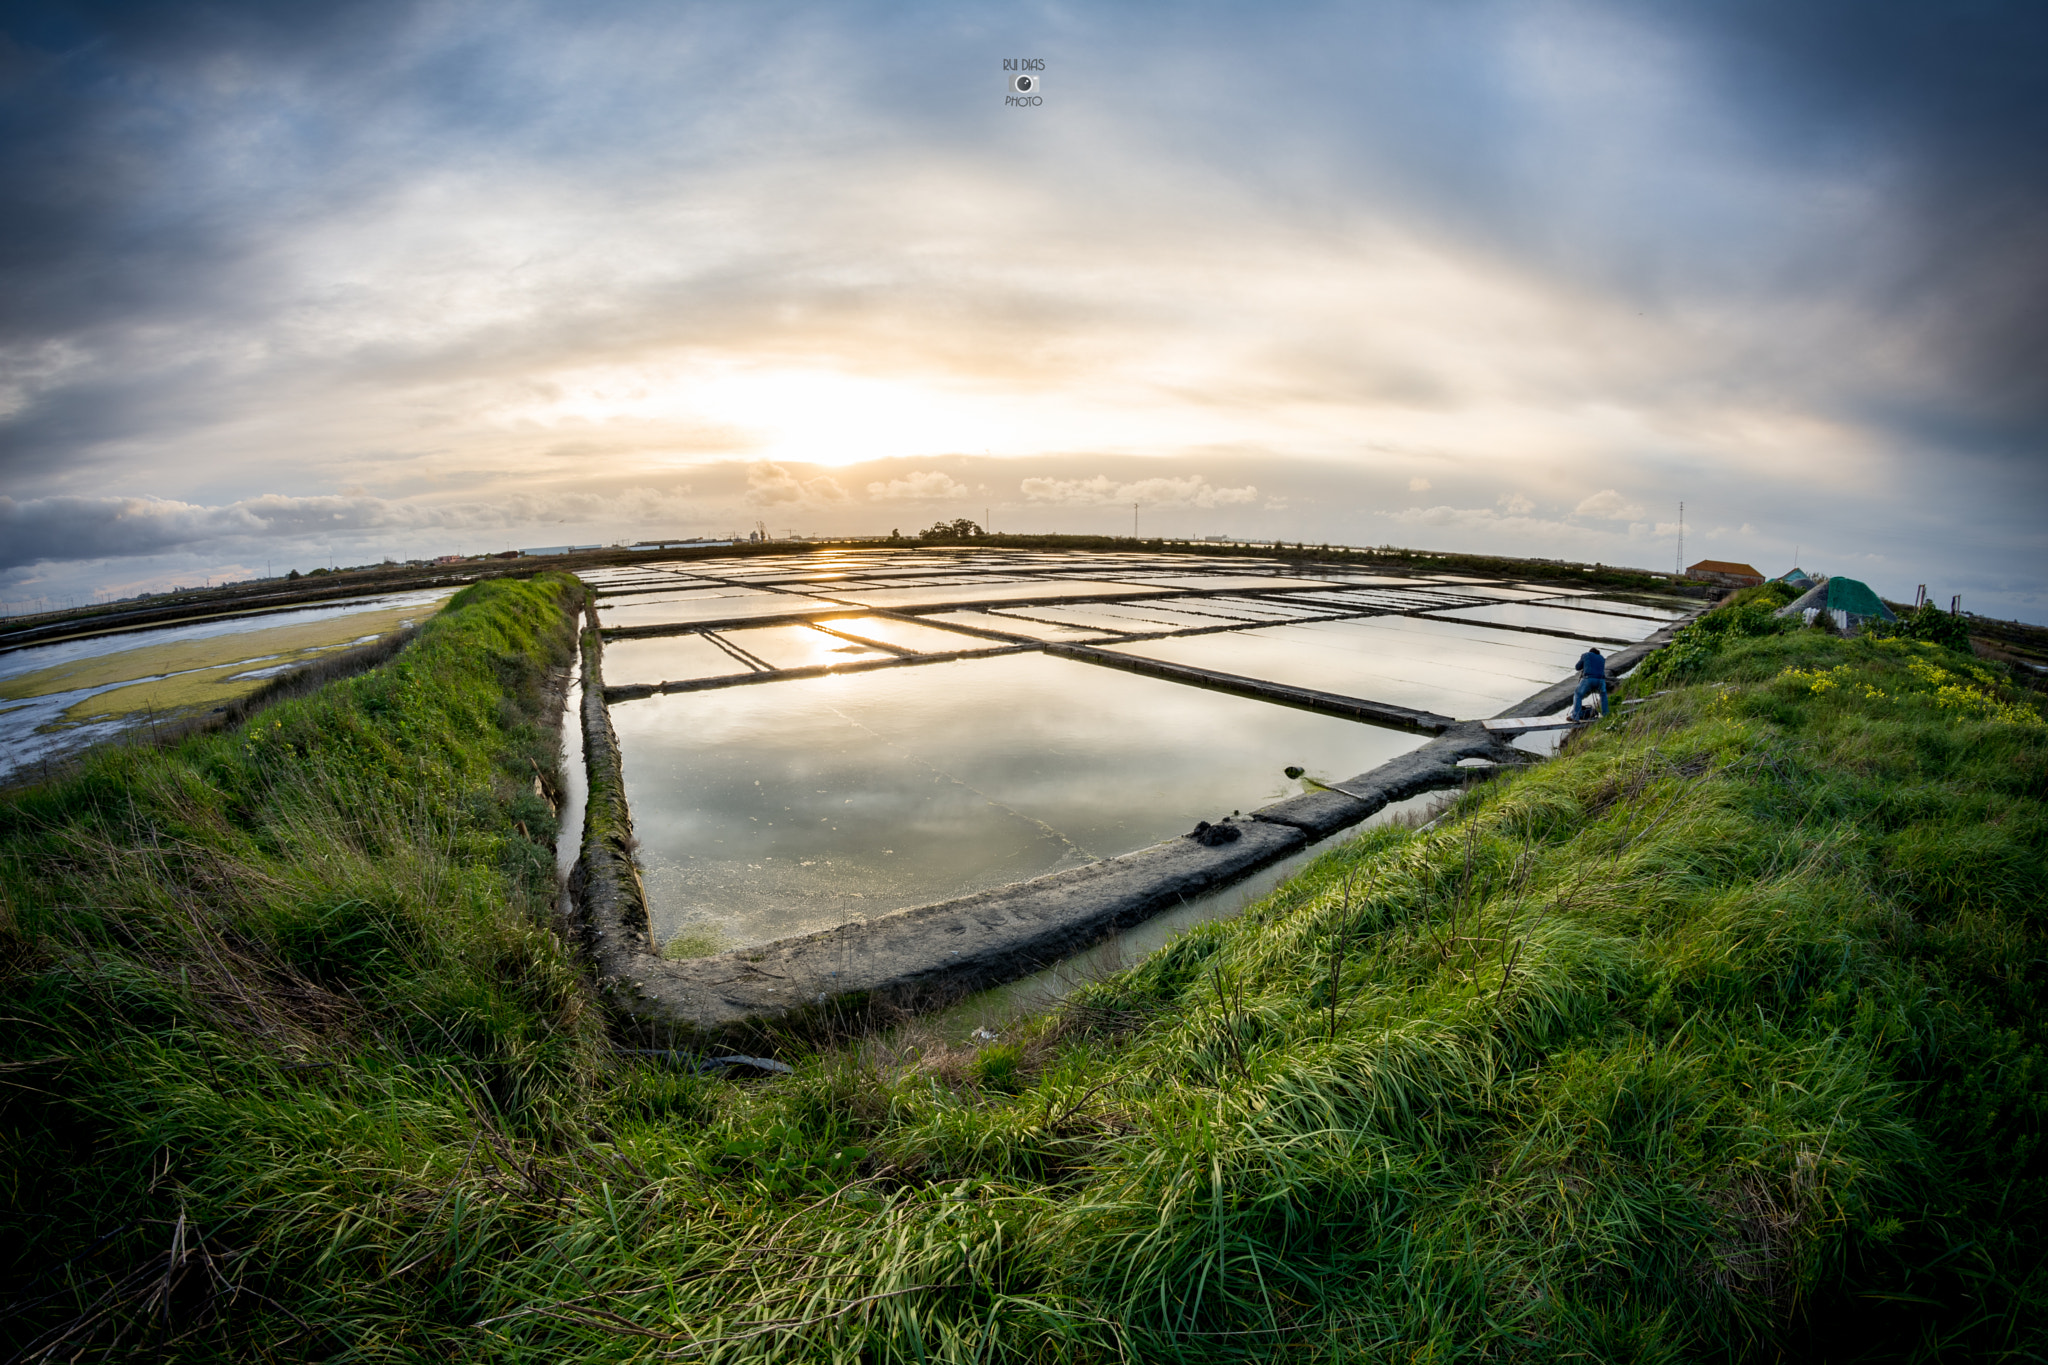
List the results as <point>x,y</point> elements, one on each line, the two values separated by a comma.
<point>1192,490</point>
<point>248,248</point>
<point>770,485</point>
<point>73,528</point>
<point>102,528</point>
<point>922,486</point>
<point>1528,531</point>
<point>1418,485</point>
<point>1446,516</point>
<point>1611,505</point>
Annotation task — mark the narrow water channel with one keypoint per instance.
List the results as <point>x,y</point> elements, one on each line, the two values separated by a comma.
<point>574,779</point>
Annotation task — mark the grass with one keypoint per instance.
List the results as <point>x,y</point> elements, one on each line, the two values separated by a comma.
<point>1717,1037</point>
<point>242,974</point>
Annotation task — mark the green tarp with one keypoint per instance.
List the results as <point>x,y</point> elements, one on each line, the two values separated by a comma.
<point>1855,597</point>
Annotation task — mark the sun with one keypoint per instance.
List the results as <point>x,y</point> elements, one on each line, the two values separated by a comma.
<point>818,413</point>
<point>807,413</point>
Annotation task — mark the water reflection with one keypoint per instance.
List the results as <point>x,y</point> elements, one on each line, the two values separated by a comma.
<point>799,646</point>
<point>1013,623</point>
<point>1432,665</point>
<point>575,779</point>
<point>912,635</point>
<point>781,809</point>
<point>732,606</point>
<point>59,698</point>
<point>975,591</point>
<point>1615,626</point>
<point>1623,607</point>
<point>669,658</point>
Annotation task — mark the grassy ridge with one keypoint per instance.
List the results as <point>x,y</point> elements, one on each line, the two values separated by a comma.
<point>251,978</point>
<point>1720,1036</point>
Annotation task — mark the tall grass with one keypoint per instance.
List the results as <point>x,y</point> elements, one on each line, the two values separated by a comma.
<point>1718,1037</point>
<point>256,982</point>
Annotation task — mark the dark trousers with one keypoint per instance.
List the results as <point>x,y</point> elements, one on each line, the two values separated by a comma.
<point>1589,685</point>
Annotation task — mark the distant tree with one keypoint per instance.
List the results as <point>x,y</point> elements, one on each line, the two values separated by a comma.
<point>959,528</point>
<point>293,574</point>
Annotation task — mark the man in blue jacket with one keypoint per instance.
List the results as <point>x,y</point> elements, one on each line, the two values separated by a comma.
<point>1592,677</point>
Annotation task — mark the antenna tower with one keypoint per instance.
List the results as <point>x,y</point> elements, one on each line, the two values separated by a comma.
<point>1679,568</point>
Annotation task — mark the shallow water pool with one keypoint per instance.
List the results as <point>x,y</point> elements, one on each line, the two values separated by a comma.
<point>784,808</point>
<point>56,699</point>
<point>1430,664</point>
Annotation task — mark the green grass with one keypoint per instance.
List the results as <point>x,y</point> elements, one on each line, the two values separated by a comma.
<point>1718,1037</point>
<point>269,979</point>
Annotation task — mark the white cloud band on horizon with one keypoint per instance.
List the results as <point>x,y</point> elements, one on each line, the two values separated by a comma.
<point>1187,491</point>
<point>920,486</point>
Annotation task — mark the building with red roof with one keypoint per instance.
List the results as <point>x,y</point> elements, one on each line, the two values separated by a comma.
<point>1723,571</point>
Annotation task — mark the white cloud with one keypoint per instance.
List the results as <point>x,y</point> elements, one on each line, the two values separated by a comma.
<point>922,486</point>
<point>1190,491</point>
<point>1447,516</point>
<point>1533,530</point>
<point>770,485</point>
<point>1611,505</point>
<point>1516,504</point>
<point>1079,492</point>
<point>1418,485</point>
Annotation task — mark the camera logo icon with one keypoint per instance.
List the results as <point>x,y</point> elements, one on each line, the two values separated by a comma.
<point>1024,83</point>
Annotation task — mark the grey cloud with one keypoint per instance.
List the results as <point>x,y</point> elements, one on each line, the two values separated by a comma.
<point>97,528</point>
<point>1823,209</point>
<point>75,528</point>
<point>1879,158</point>
<point>1951,95</point>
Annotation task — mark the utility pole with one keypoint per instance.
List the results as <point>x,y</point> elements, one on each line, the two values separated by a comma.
<point>1134,521</point>
<point>1679,568</point>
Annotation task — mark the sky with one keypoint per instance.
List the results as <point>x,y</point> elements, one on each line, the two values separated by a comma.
<point>292,285</point>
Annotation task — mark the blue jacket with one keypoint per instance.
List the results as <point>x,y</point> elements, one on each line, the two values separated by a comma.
<point>1592,665</point>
